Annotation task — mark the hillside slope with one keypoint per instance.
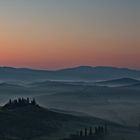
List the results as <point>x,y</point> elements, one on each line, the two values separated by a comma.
<point>30,122</point>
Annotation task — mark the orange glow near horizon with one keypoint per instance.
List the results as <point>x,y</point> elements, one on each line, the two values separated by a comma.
<point>50,35</point>
<point>54,55</point>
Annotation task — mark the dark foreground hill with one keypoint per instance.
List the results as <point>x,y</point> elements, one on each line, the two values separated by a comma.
<point>25,120</point>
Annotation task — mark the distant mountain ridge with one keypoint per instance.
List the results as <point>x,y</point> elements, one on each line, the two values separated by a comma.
<point>78,73</point>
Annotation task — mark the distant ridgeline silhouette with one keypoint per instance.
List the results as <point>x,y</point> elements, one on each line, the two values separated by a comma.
<point>20,102</point>
<point>96,133</point>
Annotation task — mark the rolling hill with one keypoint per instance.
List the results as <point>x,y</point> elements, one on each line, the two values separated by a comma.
<point>32,122</point>
<point>134,86</point>
<point>78,73</point>
<point>118,82</point>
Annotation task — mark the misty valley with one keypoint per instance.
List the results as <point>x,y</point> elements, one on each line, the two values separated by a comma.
<point>63,107</point>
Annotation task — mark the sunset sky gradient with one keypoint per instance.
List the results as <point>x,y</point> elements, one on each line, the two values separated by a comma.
<point>53,34</point>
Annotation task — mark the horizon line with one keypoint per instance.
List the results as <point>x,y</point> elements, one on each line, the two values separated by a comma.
<point>72,67</point>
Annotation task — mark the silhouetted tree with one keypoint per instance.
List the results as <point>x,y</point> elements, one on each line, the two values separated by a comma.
<point>90,132</point>
<point>96,131</point>
<point>10,101</point>
<point>15,102</point>
<point>86,132</point>
<point>105,129</point>
<point>81,133</point>
<point>28,100</point>
<point>33,102</point>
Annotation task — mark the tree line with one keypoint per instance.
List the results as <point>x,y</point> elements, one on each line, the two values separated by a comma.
<point>89,133</point>
<point>20,102</point>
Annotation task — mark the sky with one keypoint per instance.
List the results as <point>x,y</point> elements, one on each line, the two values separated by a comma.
<point>54,34</point>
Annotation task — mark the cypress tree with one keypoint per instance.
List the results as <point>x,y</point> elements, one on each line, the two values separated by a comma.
<point>28,101</point>
<point>81,133</point>
<point>10,101</point>
<point>33,102</point>
<point>90,131</point>
<point>86,132</point>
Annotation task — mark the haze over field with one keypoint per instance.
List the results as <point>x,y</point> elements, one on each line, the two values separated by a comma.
<point>102,92</point>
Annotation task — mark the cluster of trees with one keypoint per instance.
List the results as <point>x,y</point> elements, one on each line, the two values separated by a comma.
<point>89,134</point>
<point>20,102</point>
